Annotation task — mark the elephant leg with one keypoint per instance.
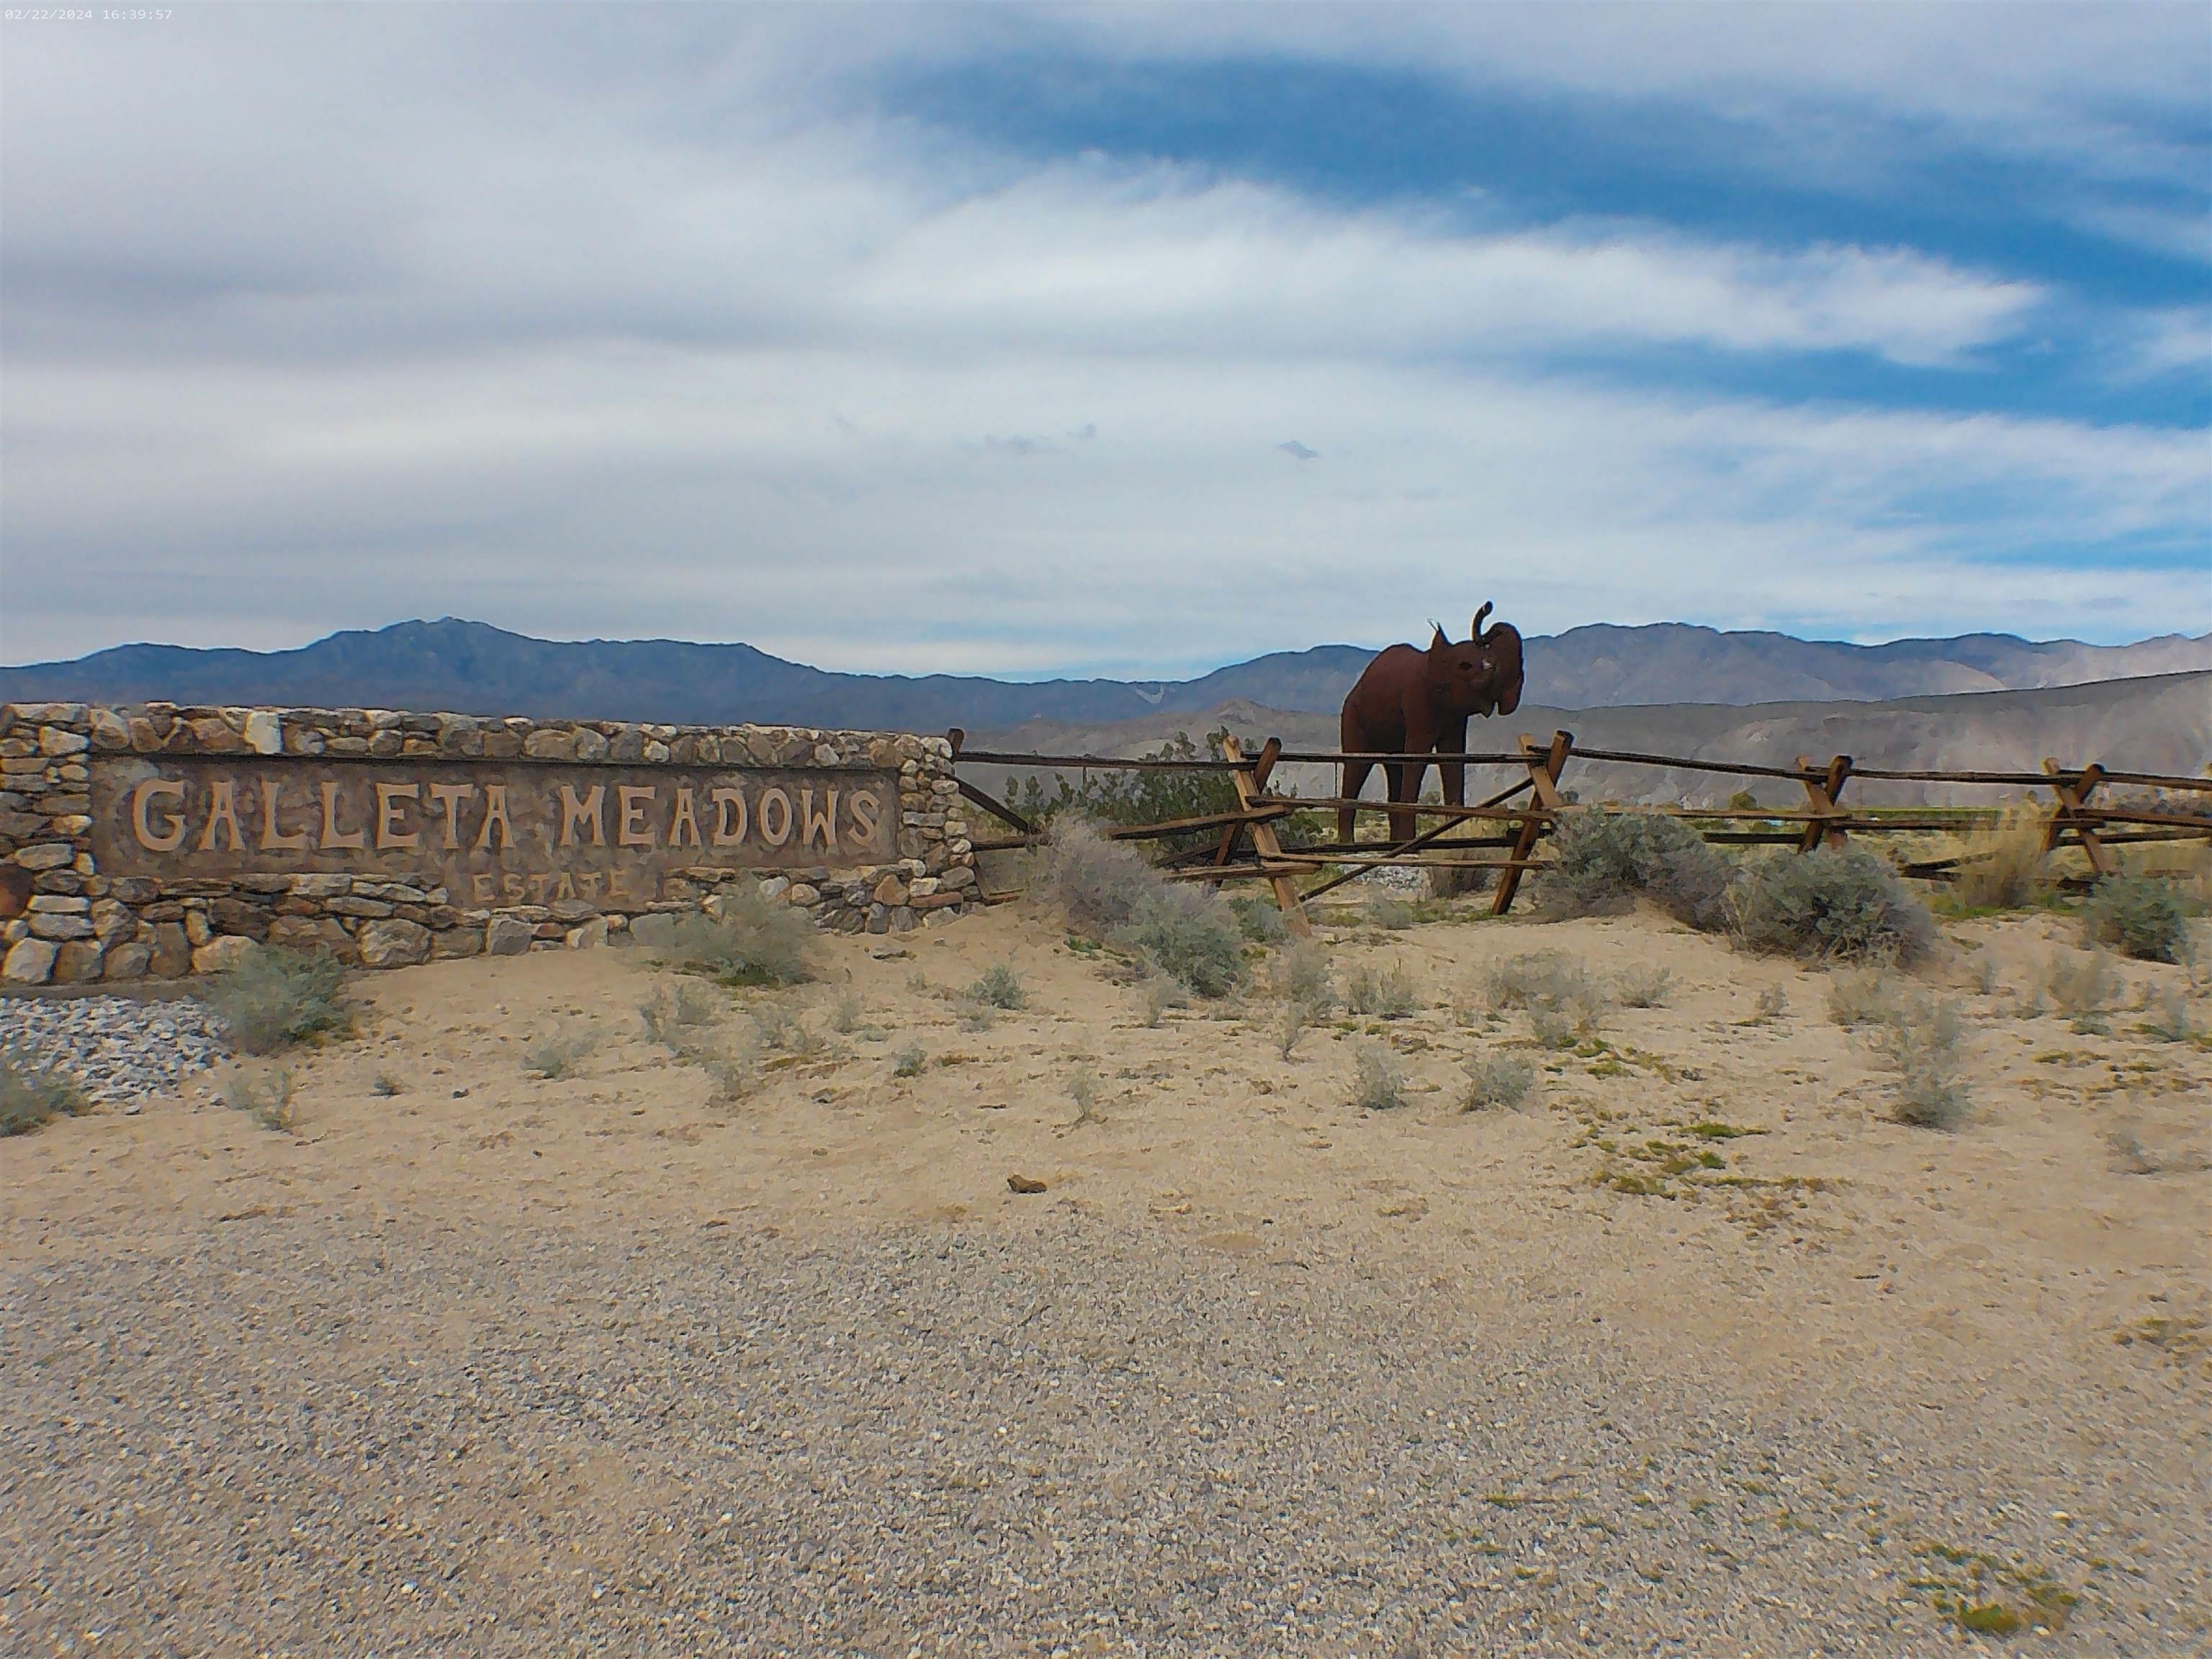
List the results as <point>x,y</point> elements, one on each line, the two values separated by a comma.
<point>1355,780</point>
<point>1405,787</point>
<point>1452,774</point>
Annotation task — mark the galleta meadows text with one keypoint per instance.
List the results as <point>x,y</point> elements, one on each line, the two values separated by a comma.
<point>492,833</point>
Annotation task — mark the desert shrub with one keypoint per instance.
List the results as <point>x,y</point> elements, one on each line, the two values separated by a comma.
<point>1835,903</point>
<point>999,986</point>
<point>1565,1003</point>
<point>1161,992</point>
<point>2168,1017</point>
<point>2081,984</point>
<point>1773,1003</point>
<point>1923,1042</point>
<point>752,941</point>
<point>277,997</point>
<point>1149,797</point>
<point>1290,1026</point>
<point>1644,987</point>
<point>845,1014</point>
<point>558,1054</point>
<point>1108,890</point>
<point>909,1061</point>
<point>1258,919</point>
<point>1101,884</point>
<point>1190,934</point>
<point>666,1014</point>
<point>1302,977</point>
<point>1082,1090</point>
<point>1394,915</point>
<point>2142,915</point>
<point>1497,1083</point>
<point>1603,861</point>
<point>266,1100</point>
<point>32,1095</point>
<point>1377,1083</point>
<point>2004,862</point>
<point>1386,994</point>
<point>730,1076</point>
<point>1863,997</point>
<point>781,1029</point>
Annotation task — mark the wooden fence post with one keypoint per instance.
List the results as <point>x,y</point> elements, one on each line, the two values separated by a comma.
<point>2073,790</point>
<point>1250,779</point>
<point>1544,768</point>
<point>1823,789</point>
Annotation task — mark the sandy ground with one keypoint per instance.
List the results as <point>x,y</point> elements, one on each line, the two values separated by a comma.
<point>605,1364</point>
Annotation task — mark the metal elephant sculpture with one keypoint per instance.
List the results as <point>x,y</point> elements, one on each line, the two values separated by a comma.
<point>1412,701</point>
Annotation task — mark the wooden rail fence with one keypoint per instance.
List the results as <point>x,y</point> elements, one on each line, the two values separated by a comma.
<point>1510,830</point>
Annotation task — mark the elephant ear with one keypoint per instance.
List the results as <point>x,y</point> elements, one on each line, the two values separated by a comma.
<point>1508,670</point>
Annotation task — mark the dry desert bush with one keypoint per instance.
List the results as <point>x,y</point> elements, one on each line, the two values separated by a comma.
<point>558,1054</point>
<point>1302,977</point>
<point>1834,904</point>
<point>31,1095</point>
<point>1603,861</point>
<point>1378,1083</point>
<point>1921,1042</point>
<point>751,940</point>
<point>2141,916</point>
<point>277,997</point>
<point>1497,1083</point>
<point>2004,864</point>
<point>268,1100</point>
<point>1179,928</point>
<point>1385,994</point>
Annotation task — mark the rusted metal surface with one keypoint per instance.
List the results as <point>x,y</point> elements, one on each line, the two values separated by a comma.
<point>490,832</point>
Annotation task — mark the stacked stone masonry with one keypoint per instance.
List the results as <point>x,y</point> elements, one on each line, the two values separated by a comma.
<point>239,786</point>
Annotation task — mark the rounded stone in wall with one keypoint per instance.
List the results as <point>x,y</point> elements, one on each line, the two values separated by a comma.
<point>78,962</point>
<point>127,962</point>
<point>224,951</point>
<point>507,936</point>
<point>30,961</point>
<point>396,943</point>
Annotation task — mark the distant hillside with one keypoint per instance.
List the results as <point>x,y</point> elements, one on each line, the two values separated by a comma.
<point>473,668</point>
<point>2161,723</point>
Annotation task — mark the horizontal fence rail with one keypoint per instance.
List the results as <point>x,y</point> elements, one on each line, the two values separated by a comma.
<point>2071,819</point>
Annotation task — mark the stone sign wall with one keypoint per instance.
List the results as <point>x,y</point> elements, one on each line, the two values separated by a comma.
<point>161,840</point>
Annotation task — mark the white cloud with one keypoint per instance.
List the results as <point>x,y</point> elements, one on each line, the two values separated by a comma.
<point>317,322</point>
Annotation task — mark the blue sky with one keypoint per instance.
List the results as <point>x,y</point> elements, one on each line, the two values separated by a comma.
<point>1106,339</point>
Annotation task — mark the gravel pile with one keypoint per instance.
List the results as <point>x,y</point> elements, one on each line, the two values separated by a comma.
<point>334,1438</point>
<point>120,1049</point>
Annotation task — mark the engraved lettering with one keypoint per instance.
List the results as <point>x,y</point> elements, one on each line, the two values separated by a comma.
<point>450,797</point>
<point>778,832</point>
<point>171,835</point>
<point>564,888</point>
<point>617,887</point>
<point>867,811</point>
<point>825,821</point>
<point>575,811</point>
<point>538,883</point>
<point>686,818</point>
<point>388,832</point>
<point>480,888</point>
<point>512,886</point>
<point>273,839</point>
<point>635,798</point>
<point>589,881</point>
<point>222,813</point>
<point>494,813</point>
<point>729,817</point>
<point>332,837</point>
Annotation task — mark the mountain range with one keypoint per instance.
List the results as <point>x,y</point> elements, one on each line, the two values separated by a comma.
<point>471,667</point>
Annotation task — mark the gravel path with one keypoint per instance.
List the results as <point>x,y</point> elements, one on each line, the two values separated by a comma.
<point>120,1049</point>
<point>315,1436</point>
